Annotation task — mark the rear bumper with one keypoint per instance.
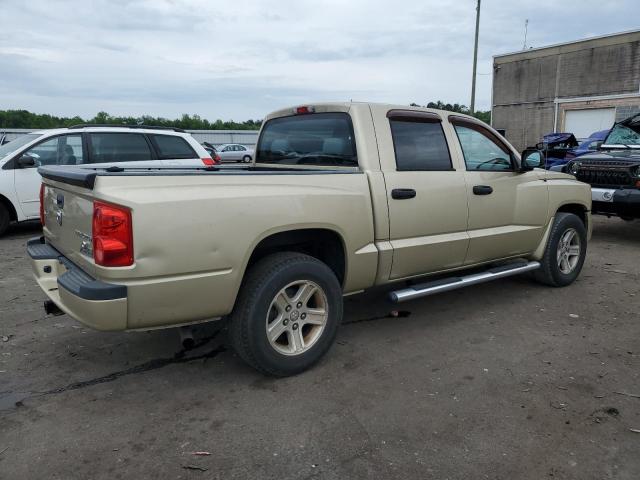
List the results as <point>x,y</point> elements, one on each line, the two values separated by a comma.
<point>97,304</point>
<point>622,202</point>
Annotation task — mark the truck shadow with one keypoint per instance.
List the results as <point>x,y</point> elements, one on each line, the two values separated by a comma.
<point>31,228</point>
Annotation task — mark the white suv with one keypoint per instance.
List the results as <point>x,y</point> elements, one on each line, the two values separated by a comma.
<point>81,145</point>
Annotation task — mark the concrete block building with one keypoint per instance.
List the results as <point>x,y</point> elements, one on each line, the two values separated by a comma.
<point>578,87</point>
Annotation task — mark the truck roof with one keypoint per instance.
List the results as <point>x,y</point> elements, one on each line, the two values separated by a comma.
<point>320,107</point>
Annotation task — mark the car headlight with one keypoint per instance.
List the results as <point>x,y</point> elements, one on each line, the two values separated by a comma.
<point>573,168</point>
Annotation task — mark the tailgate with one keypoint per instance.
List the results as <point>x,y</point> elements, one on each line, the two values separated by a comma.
<point>68,213</point>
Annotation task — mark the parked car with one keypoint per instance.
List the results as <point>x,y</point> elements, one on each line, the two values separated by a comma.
<point>556,146</point>
<point>211,150</point>
<point>591,144</point>
<point>234,152</point>
<point>341,197</point>
<point>135,146</point>
<point>614,171</point>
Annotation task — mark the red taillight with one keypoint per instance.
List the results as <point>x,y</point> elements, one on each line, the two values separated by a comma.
<point>42,204</point>
<point>112,235</point>
<point>304,110</point>
<point>210,162</point>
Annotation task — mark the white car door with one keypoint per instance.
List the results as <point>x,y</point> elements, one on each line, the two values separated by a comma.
<point>227,154</point>
<point>62,149</point>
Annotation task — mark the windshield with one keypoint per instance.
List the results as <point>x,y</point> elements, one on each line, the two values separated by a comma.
<point>14,145</point>
<point>322,139</point>
<point>623,135</point>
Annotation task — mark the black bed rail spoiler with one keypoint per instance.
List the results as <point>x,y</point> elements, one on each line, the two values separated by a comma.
<point>86,177</point>
<point>79,177</point>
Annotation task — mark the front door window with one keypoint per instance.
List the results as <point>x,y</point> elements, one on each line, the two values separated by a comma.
<point>482,153</point>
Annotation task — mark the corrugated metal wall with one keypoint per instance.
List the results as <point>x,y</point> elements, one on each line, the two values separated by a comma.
<point>216,137</point>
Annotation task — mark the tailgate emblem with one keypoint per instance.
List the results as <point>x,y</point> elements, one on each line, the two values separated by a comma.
<point>59,217</point>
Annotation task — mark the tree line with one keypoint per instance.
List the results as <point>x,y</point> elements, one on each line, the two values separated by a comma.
<point>26,119</point>
<point>485,116</point>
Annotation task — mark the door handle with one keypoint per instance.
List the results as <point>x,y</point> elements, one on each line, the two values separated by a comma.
<point>402,193</point>
<point>482,190</point>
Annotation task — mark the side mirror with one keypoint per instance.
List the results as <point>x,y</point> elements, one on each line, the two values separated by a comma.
<point>540,145</point>
<point>531,158</point>
<point>26,161</point>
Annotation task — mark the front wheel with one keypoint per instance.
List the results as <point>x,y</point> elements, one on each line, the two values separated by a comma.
<point>246,159</point>
<point>565,252</point>
<point>287,313</point>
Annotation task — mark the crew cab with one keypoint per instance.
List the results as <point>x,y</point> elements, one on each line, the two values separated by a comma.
<point>99,145</point>
<point>613,171</point>
<point>340,197</point>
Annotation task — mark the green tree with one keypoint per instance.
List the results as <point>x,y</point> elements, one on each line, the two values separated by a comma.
<point>26,119</point>
<point>485,116</point>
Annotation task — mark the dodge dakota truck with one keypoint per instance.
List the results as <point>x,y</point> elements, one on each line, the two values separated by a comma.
<point>339,198</point>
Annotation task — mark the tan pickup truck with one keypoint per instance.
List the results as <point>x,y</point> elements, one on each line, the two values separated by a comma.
<point>340,197</point>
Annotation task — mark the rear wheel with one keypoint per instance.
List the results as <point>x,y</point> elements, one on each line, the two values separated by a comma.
<point>565,252</point>
<point>5,219</point>
<point>287,313</point>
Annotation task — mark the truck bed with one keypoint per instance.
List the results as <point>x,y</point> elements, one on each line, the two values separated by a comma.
<point>86,176</point>
<point>194,229</point>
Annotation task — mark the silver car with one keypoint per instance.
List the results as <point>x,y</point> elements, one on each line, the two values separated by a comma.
<point>234,152</point>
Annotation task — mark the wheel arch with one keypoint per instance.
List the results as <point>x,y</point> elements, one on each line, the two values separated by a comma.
<point>323,243</point>
<point>13,214</point>
<point>577,209</point>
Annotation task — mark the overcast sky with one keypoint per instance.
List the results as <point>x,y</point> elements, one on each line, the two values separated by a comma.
<point>240,59</point>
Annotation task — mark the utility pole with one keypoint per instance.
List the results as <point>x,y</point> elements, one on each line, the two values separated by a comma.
<point>475,61</point>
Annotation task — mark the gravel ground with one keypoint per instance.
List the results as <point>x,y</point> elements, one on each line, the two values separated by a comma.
<point>508,380</point>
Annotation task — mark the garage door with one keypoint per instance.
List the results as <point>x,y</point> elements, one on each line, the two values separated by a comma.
<point>583,123</point>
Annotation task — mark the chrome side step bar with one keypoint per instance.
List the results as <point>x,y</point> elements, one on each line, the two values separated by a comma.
<point>453,283</point>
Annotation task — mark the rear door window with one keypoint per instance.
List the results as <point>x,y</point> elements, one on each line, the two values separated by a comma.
<point>322,139</point>
<point>172,146</point>
<point>119,147</point>
<point>420,145</point>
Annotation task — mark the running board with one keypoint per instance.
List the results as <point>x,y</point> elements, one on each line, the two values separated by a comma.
<point>453,283</point>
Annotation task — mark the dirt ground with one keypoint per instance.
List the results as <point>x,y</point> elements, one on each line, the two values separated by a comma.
<point>507,380</point>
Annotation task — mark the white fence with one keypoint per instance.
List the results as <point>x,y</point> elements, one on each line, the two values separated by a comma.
<point>215,137</point>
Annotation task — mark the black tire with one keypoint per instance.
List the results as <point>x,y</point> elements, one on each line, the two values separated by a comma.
<point>5,219</point>
<point>246,159</point>
<point>550,272</point>
<point>262,283</point>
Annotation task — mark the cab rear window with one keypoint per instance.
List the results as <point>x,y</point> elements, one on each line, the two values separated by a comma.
<point>321,139</point>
